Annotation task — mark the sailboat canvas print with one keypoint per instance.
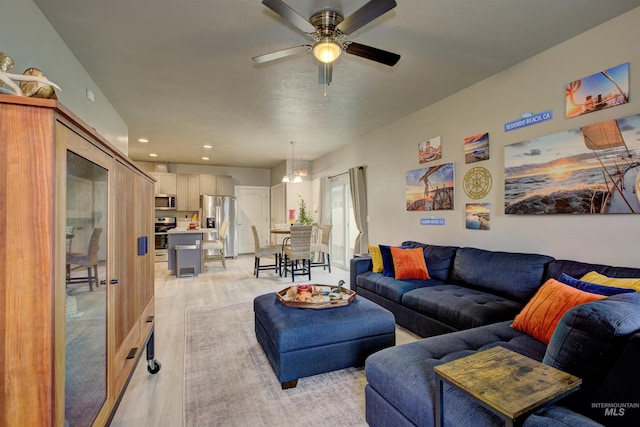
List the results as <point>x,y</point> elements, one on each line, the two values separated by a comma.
<point>598,91</point>
<point>430,189</point>
<point>589,170</point>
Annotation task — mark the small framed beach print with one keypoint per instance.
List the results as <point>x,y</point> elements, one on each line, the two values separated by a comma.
<point>429,150</point>
<point>477,216</point>
<point>594,169</point>
<point>476,148</point>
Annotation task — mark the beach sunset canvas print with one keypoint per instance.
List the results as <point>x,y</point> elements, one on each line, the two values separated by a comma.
<point>478,216</point>
<point>430,189</point>
<point>476,148</point>
<point>589,170</point>
<point>598,91</point>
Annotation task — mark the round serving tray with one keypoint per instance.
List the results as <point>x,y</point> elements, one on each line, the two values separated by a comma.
<point>320,295</point>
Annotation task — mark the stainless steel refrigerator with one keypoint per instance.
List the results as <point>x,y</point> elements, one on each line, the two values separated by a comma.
<point>214,211</point>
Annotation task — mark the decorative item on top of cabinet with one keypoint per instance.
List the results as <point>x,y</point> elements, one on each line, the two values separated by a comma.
<point>32,82</point>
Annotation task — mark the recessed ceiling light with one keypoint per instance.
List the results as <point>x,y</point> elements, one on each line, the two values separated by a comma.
<point>153,155</point>
<point>205,158</point>
<point>143,140</point>
<point>207,146</point>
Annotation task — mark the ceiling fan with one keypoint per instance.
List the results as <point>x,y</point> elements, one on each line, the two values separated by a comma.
<point>327,27</point>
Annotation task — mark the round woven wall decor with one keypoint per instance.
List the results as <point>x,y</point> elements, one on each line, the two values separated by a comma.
<point>477,182</point>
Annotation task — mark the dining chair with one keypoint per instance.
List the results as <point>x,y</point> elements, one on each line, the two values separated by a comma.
<point>215,245</point>
<point>88,260</point>
<point>298,251</point>
<point>322,247</point>
<point>262,251</point>
<point>70,234</point>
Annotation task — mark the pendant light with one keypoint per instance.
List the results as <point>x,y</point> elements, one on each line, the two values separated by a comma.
<point>293,177</point>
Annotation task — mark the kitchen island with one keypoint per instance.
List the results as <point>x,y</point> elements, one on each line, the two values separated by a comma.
<point>191,254</point>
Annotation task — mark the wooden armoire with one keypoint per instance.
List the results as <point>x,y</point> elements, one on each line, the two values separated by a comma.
<point>68,351</point>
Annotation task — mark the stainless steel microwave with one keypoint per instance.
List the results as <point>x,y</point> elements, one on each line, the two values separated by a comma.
<point>166,202</point>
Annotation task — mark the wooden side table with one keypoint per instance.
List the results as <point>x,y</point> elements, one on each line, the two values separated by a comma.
<point>506,383</point>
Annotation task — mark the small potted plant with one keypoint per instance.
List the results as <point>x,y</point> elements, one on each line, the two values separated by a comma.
<point>304,218</point>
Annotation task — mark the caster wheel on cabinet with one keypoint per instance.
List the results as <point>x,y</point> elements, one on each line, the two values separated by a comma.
<point>153,366</point>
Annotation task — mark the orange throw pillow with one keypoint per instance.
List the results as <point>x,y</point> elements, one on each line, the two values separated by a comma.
<point>409,263</point>
<point>542,314</point>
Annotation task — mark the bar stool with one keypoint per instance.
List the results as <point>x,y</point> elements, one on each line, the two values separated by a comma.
<point>216,245</point>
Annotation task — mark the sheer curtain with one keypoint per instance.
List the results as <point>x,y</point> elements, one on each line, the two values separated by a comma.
<point>324,216</point>
<point>359,201</point>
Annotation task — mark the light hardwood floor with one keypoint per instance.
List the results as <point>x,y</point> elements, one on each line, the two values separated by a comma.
<point>157,400</point>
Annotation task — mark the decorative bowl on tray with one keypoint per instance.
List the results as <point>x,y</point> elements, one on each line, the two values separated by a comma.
<point>315,296</point>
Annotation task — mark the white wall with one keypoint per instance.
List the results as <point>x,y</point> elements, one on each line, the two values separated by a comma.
<point>297,192</point>
<point>534,85</point>
<point>28,38</point>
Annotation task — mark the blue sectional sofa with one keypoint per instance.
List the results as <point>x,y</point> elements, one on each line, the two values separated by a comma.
<point>468,305</point>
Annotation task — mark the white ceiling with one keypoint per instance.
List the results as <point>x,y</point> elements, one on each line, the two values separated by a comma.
<point>180,72</point>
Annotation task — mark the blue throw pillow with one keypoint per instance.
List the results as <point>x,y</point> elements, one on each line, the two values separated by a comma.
<point>387,260</point>
<point>592,288</point>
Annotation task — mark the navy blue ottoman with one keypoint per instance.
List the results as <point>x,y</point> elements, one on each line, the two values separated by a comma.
<point>302,342</point>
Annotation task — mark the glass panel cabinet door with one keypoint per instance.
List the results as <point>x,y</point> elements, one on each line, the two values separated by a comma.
<point>86,296</point>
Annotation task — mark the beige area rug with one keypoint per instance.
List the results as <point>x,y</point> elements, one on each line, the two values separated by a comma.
<point>229,382</point>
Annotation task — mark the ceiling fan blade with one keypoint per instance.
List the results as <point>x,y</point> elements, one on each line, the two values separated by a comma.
<point>325,73</point>
<point>284,10</point>
<point>281,53</point>
<point>372,53</point>
<point>365,14</point>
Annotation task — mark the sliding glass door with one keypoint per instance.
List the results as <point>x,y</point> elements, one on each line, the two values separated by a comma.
<point>344,231</point>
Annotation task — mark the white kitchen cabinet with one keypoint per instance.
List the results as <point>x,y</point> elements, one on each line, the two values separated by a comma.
<point>194,192</point>
<point>165,182</point>
<point>209,185</point>
<point>225,186</point>
<point>189,188</point>
<point>188,192</point>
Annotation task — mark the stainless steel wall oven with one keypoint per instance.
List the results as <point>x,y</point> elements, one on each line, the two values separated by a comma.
<point>162,225</point>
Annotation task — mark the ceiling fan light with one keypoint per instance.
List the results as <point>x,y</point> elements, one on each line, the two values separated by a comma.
<point>327,50</point>
<point>297,179</point>
<point>286,178</point>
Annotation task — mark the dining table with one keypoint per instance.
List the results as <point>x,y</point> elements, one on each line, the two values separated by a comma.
<point>280,231</point>
<point>277,232</point>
